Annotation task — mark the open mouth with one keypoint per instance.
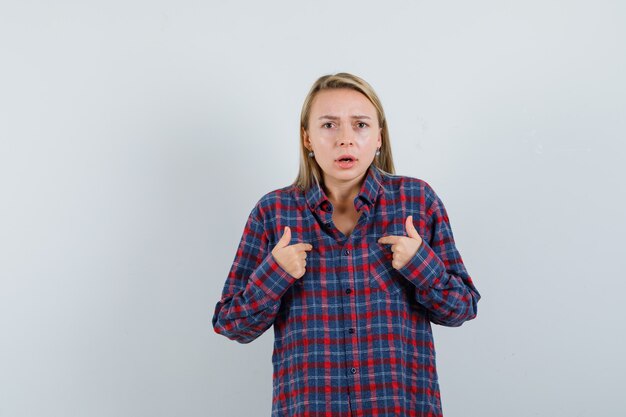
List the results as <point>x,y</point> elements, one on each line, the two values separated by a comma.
<point>346,161</point>
<point>346,158</point>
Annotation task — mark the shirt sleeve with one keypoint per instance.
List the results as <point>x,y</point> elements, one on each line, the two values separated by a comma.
<point>442,283</point>
<point>253,290</point>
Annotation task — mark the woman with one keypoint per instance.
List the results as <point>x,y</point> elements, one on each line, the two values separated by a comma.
<point>351,264</point>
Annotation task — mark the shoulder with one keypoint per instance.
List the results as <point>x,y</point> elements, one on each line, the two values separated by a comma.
<point>405,187</point>
<point>268,206</point>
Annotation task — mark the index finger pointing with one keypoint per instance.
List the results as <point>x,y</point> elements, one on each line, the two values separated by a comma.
<point>389,240</point>
<point>303,246</point>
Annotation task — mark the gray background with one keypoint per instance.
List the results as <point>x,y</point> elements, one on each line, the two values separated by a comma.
<point>136,136</point>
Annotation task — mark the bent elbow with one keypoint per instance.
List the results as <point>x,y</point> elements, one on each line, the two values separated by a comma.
<point>452,321</point>
<point>456,318</point>
<point>235,330</point>
<point>236,336</point>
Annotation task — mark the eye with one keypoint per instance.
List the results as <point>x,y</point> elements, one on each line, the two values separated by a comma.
<point>327,125</point>
<point>361,125</point>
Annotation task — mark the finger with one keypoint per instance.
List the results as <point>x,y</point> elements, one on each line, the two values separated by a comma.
<point>387,240</point>
<point>285,238</point>
<point>410,228</point>
<point>302,247</point>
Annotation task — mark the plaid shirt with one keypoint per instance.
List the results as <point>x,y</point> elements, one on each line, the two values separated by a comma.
<point>353,335</point>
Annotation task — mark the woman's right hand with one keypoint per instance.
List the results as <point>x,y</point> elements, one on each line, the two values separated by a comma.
<point>292,258</point>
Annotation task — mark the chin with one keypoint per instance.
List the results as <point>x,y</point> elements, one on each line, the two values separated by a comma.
<point>346,175</point>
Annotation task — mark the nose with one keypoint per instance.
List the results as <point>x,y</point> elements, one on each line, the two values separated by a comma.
<point>345,135</point>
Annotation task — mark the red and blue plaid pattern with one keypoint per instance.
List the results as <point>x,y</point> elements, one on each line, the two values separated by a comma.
<point>353,335</point>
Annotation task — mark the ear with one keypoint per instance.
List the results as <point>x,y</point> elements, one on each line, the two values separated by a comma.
<point>380,137</point>
<point>305,139</point>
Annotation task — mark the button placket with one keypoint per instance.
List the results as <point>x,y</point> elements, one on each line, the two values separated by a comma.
<point>352,344</point>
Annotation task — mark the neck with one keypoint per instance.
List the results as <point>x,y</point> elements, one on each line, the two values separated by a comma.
<point>343,193</point>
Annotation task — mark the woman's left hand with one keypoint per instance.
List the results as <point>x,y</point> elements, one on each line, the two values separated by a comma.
<point>403,248</point>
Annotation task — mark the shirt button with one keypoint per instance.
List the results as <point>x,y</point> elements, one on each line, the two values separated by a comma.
<point>350,331</point>
<point>348,290</point>
<point>347,252</point>
<point>353,370</point>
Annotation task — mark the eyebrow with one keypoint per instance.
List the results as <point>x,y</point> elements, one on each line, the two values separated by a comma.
<point>358,116</point>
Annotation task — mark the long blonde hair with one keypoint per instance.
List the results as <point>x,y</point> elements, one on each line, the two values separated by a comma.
<point>310,172</point>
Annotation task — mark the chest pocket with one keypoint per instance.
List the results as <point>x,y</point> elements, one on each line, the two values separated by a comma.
<point>382,276</point>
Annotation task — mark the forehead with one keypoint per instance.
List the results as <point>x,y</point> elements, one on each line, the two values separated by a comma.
<point>341,102</point>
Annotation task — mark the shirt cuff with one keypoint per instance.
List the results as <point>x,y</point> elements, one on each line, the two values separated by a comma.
<point>271,278</point>
<point>425,269</point>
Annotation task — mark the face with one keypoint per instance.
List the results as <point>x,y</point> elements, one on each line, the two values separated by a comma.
<point>343,133</point>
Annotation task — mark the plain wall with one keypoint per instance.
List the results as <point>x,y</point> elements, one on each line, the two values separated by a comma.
<point>136,136</point>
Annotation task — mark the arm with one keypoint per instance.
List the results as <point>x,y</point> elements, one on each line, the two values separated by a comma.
<point>252,292</point>
<point>442,283</point>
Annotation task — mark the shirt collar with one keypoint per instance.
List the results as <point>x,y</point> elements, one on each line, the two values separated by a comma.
<point>317,199</point>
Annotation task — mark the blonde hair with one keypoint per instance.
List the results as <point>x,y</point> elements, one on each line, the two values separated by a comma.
<point>310,172</point>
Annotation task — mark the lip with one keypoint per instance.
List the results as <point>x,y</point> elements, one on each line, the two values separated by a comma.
<point>346,156</point>
<point>346,164</point>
